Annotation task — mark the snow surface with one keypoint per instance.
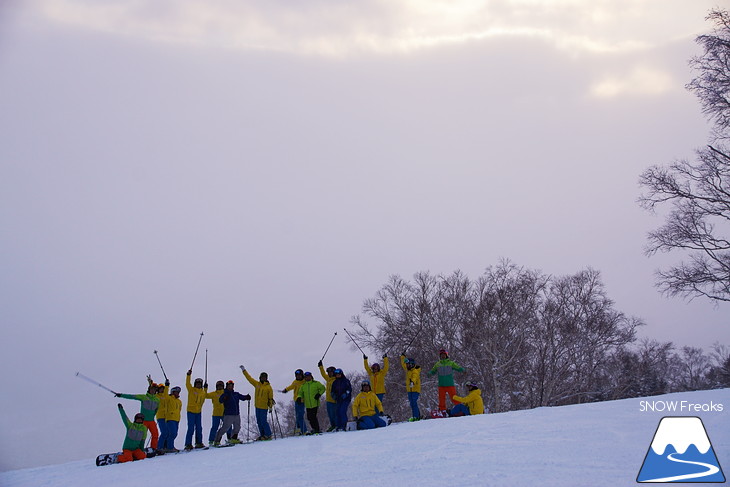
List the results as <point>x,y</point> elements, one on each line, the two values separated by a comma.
<point>598,444</point>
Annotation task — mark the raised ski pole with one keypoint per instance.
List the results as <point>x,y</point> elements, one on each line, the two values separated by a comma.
<point>353,341</point>
<point>328,346</point>
<point>87,379</point>
<point>163,369</point>
<point>206,365</point>
<point>196,350</point>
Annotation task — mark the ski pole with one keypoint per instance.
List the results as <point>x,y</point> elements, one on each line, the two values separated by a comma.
<point>163,369</point>
<point>206,365</point>
<point>82,376</point>
<point>281,432</point>
<point>353,341</point>
<point>328,346</point>
<point>248,420</point>
<point>196,350</point>
<point>273,425</point>
<point>414,338</point>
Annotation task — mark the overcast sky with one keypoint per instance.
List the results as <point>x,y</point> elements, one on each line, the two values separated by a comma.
<point>256,170</point>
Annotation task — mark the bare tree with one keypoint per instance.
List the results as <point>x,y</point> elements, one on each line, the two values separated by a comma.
<point>698,193</point>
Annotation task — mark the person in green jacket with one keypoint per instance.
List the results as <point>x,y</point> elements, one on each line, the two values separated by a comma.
<point>133,447</point>
<point>445,368</point>
<point>150,404</point>
<point>309,393</point>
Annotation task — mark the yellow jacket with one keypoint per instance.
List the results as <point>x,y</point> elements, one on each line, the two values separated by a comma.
<point>377,380</point>
<point>162,410</point>
<point>473,400</point>
<point>174,406</point>
<point>217,405</point>
<point>295,386</point>
<point>264,394</point>
<point>413,376</point>
<point>365,404</point>
<point>196,396</point>
<point>329,380</point>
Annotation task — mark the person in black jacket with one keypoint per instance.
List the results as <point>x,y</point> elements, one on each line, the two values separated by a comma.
<point>342,393</point>
<point>231,413</point>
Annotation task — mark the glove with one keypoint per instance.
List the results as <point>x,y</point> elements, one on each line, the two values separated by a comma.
<point>319,364</point>
<point>365,357</point>
<point>317,396</point>
<point>247,397</point>
<point>242,368</point>
<point>403,353</point>
<point>149,378</point>
<point>284,391</point>
<point>190,372</point>
<point>118,394</point>
<point>205,386</point>
<point>385,355</point>
<point>299,400</point>
<point>167,382</point>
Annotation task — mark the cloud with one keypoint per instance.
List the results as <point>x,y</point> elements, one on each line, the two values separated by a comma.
<point>641,80</point>
<point>344,27</point>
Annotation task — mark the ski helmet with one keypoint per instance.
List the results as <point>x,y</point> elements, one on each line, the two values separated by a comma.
<point>220,384</point>
<point>331,369</point>
<point>472,385</point>
<point>139,416</point>
<point>443,352</point>
<point>375,366</point>
<point>338,371</point>
<point>307,374</point>
<point>364,383</point>
<point>176,389</point>
<point>298,372</point>
<point>230,382</point>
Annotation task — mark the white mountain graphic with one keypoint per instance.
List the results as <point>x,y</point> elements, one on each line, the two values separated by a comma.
<point>680,432</point>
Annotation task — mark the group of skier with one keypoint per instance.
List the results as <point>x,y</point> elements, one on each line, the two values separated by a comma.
<point>165,405</point>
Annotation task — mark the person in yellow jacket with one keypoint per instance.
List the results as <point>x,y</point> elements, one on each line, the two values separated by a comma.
<point>377,376</point>
<point>472,403</point>
<point>413,384</point>
<point>300,426</point>
<point>329,376</point>
<point>173,408</point>
<point>365,408</point>
<point>220,387</point>
<point>161,415</point>
<point>196,398</point>
<point>264,400</point>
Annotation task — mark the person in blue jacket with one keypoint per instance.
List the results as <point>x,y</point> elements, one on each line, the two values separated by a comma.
<point>231,413</point>
<point>342,393</point>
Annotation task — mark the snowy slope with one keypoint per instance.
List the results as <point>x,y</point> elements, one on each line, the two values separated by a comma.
<point>601,444</point>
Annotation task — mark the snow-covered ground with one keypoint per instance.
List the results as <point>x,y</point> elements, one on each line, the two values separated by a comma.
<point>600,444</point>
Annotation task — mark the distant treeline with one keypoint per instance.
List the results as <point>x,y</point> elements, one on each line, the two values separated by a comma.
<point>528,339</point>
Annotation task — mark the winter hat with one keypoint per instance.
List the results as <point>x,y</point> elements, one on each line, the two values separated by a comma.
<point>443,351</point>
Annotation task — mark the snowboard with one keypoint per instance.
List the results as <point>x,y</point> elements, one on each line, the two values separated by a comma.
<point>111,458</point>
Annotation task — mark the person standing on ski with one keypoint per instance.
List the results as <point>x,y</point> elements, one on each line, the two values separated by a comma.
<point>264,401</point>
<point>133,447</point>
<point>300,427</point>
<point>218,411</point>
<point>365,408</point>
<point>413,384</point>
<point>445,368</point>
<point>329,376</point>
<point>471,404</point>
<point>173,410</point>
<point>231,413</point>
<point>162,415</point>
<point>377,376</point>
<point>196,398</point>
<point>150,404</point>
<point>342,393</point>
<point>308,396</point>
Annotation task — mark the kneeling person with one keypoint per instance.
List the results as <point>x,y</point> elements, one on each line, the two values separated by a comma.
<point>133,448</point>
<point>365,409</point>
